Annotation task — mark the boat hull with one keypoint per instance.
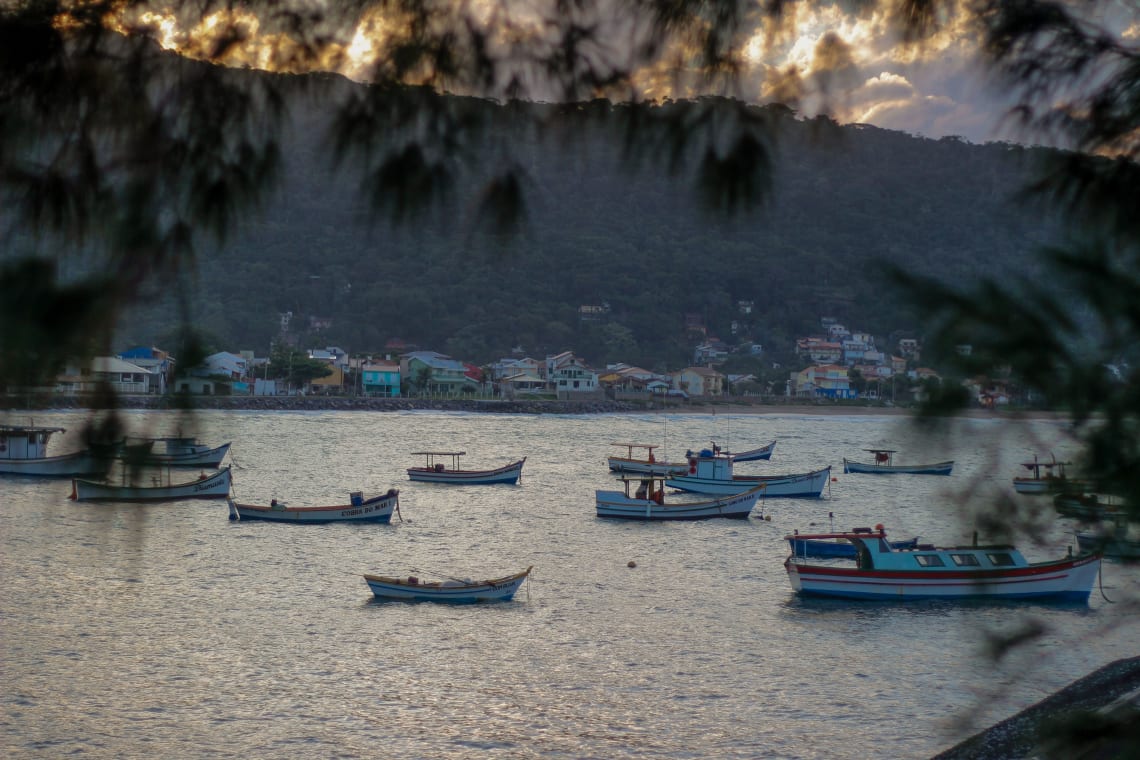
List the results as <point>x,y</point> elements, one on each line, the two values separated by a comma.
<point>1108,545</point>
<point>1062,581</point>
<point>615,504</point>
<point>65,466</point>
<point>375,509</point>
<point>212,487</point>
<point>450,592</point>
<point>807,485</point>
<point>509,474</point>
<point>1033,486</point>
<point>938,468</point>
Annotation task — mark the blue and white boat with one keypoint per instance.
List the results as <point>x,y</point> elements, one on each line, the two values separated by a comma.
<point>712,473</point>
<point>649,502</point>
<point>884,465</point>
<point>435,470</point>
<point>753,455</point>
<point>176,451</point>
<point>451,591</point>
<point>212,486</point>
<point>359,509</point>
<point>881,572</point>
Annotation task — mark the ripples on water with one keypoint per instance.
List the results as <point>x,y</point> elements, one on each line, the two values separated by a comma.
<point>167,631</point>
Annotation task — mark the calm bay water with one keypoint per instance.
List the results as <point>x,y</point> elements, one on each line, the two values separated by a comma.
<point>165,630</point>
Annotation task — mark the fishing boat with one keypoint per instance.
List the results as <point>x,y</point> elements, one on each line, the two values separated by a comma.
<point>359,509</point>
<point>206,486</point>
<point>452,590</point>
<point>1116,543</point>
<point>830,547</point>
<point>645,462</point>
<point>881,572</point>
<point>884,465</point>
<point>752,455</point>
<point>649,502</point>
<point>1089,506</point>
<point>176,451</point>
<point>23,451</point>
<point>711,473</point>
<point>435,470</point>
<point>1045,477</point>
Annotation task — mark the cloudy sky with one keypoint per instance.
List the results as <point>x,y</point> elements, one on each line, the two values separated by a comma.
<point>843,59</point>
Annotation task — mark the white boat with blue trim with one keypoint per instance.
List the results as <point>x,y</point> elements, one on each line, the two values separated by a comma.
<point>451,591</point>
<point>882,572</point>
<point>752,455</point>
<point>435,470</point>
<point>212,486</point>
<point>649,502</point>
<point>1044,477</point>
<point>884,465</point>
<point>359,509</point>
<point>711,473</point>
<point>175,451</point>
<point>23,451</point>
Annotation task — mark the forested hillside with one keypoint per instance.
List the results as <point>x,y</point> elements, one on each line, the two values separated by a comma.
<point>844,203</point>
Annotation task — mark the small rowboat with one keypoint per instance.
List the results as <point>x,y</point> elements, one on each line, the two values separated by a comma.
<point>453,590</point>
<point>881,572</point>
<point>884,465</point>
<point>373,509</point>
<point>645,465</point>
<point>205,487</point>
<point>175,452</point>
<point>649,503</point>
<point>435,471</point>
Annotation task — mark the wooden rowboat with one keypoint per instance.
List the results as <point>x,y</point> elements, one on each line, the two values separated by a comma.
<point>212,486</point>
<point>359,509</point>
<point>452,590</point>
<point>884,465</point>
<point>436,471</point>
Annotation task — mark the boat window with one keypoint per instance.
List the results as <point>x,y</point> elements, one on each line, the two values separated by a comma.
<point>1000,558</point>
<point>929,560</point>
<point>963,560</point>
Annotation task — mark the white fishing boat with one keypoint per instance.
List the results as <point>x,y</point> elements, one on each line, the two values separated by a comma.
<point>23,451</point>
<point>1044,477</point>
<point>435,470</point>
<point>359,509</point>
<point>649,502</point>
<point>882,572</point>
<point>175,451</point>
<point>753,455</point>
<point>639,458</point>
<point>212,486</point>
<point>884,465</point>
<point>711,473</point>
<point>451,590</point>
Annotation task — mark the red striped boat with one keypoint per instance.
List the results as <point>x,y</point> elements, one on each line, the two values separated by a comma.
<point>883,572</point>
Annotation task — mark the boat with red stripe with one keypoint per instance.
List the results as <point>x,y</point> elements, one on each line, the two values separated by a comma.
<point>881,571</point>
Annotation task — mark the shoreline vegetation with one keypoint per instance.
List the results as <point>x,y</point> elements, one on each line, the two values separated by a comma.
<point>737,405</point>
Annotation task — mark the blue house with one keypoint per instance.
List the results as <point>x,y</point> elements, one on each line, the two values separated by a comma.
<point>380,378</point>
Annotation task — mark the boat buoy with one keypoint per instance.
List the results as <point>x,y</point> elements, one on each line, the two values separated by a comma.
<point>835,480</point>
<point>631,563</point>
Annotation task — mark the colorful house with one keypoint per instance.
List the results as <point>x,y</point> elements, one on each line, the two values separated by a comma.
<point>380,378</point>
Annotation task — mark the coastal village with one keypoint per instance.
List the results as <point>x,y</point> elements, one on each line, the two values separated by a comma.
<point>836,365</point>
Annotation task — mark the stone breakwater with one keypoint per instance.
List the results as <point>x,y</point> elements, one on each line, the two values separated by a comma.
<point>336,403</point>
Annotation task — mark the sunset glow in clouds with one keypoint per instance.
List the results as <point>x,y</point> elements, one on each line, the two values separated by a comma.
<point>845,61</point>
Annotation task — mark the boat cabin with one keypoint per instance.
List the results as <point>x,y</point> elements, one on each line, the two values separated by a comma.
<point>882,456</point>
<point>649,488</point>
<point>25,442</point>
<point>710,463</point>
